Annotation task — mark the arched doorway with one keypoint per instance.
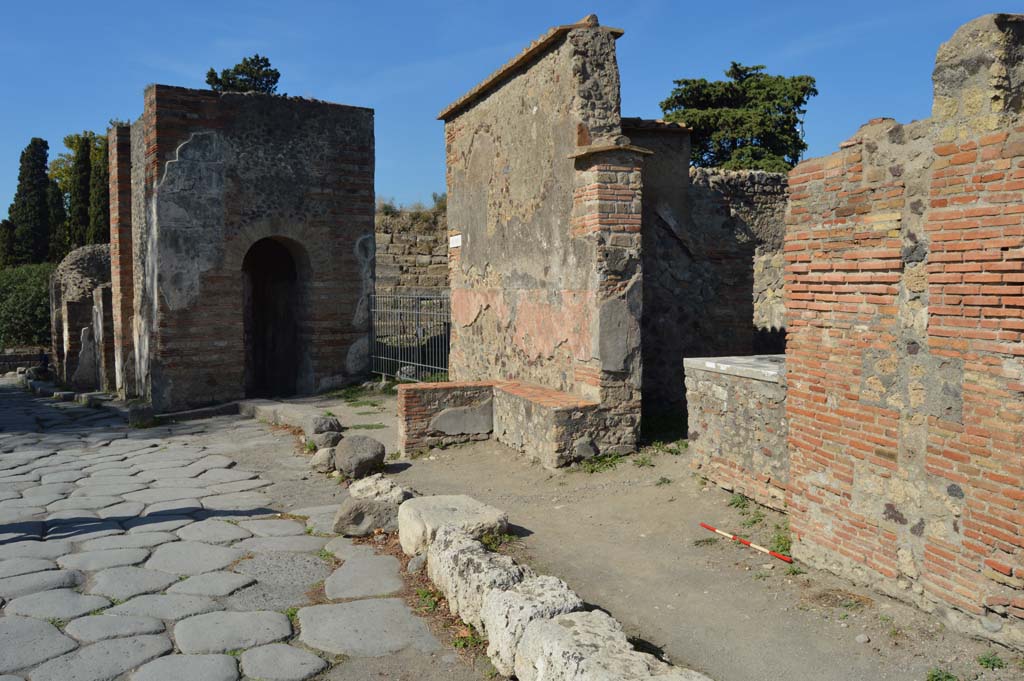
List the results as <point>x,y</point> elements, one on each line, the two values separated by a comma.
<point>272,310</point>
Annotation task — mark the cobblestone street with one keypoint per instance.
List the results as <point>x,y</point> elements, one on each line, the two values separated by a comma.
<point>162,553</point>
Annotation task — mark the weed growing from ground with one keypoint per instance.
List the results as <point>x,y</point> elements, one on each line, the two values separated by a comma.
<point>739,501</point>
<point>468,638</point>
<point>663,481</point>
<point>991,660</point>
<point>293,615</point>
<point>755,518</point>
<point>643,461</point>
<point>794,570</point>
<point>781,541</point>
<point>311,447</point>
<point>601,463</point>
<point>429,599</point>
<point>936,674</point>
<point>762,575</point>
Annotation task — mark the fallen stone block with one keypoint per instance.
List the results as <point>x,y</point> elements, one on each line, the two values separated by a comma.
<point>360,517</point>
<point>380,488</point>
<point>587,646</point>
<point>323,460</point>
<point>465,571</point>
<point>419,519</point>
<point>321,423</point>
<point>358,456</point>
<point>372,504</point>
<point>505,614</point>
<point>325,440</point>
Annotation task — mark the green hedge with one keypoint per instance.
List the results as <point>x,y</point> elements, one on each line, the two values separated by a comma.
<point>25,305</point>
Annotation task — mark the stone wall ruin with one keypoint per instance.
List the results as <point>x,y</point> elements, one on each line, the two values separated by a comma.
<point>203,179</point>
<point>904,292</point>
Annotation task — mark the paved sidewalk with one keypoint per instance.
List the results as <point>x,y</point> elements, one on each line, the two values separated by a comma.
<point>150,555</point>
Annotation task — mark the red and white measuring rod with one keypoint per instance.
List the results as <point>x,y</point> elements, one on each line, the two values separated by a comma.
<point>747,543</point>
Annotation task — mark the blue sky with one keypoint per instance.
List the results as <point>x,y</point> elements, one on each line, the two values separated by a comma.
<point>69,66</point>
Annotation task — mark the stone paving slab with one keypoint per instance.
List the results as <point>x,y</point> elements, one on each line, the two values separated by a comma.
<point>281,662</point>
<point>370,628</point>
<point>101,560</point>
<point>212,584</point>
<point>192,558</point>
<point>121,536</point>
<point>189,668</point>
<point>92,628</point>
<point>56,604</point>
<point>363,577</point>
<point>123,583</point>
<point>103,660</point>
<point>166,606</point>
<point>25,642</point>
<point>219,632</point>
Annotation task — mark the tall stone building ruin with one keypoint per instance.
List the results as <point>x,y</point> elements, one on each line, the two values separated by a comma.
<point>583,267</point>
<point>903,394</point>
<point>242,246</point>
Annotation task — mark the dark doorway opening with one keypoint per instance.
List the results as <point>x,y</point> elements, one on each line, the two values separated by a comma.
<point>272,300</point>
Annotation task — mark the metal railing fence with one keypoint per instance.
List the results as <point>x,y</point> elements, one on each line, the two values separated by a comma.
<point>410,336</point>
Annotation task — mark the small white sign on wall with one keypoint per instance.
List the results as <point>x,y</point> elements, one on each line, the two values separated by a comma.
<point>455,241</point>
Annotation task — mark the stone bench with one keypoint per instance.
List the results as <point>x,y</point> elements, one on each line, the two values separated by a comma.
<point>551,426</point>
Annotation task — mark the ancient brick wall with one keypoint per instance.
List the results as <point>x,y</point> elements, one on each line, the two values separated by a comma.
<point>214,174</point>
<point>544,211</point>
<point>121,277</point>
<point>904,281</point>
<point>737,420</point>
<point>420,404</point>
<point>412,253</point>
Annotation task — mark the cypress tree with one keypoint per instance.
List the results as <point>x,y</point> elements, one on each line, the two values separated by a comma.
<point>6,243</point>
<point>29,212</point>
<point>78,203</point>
<point>58,222</point>
<point>99,196</point>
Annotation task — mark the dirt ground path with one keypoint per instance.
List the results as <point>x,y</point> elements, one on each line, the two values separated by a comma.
<point>627,539</point>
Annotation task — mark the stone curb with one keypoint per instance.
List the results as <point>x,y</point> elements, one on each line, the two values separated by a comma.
<point>536,626</point>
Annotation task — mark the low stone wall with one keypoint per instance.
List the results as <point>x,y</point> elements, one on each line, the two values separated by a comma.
<point>442,414</point>
<point>549,426</point>
<point>13,358</point>
<point>536,627</point>
<point>737,421</point>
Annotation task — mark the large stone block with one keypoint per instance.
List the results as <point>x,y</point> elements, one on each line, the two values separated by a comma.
<point>420,519</point>
<point>588,646</point>
<point>475,419</point>
<point>504,614</point>
<point>358,456</point>
<point>465,571</point>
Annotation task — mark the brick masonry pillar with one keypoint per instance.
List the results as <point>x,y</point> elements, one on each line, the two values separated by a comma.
<point>122,287</point>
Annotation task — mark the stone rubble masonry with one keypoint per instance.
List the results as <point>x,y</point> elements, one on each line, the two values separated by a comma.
<point>211,174</point>
<point>412,253</point>
<point>71,303</point>
<point>546,273</point>
<point>548,426</point>
<point>12,359</point>
<point>905,363</point>
<point>737,422</point>
<point>121,278</point>
<point>749,206</point>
